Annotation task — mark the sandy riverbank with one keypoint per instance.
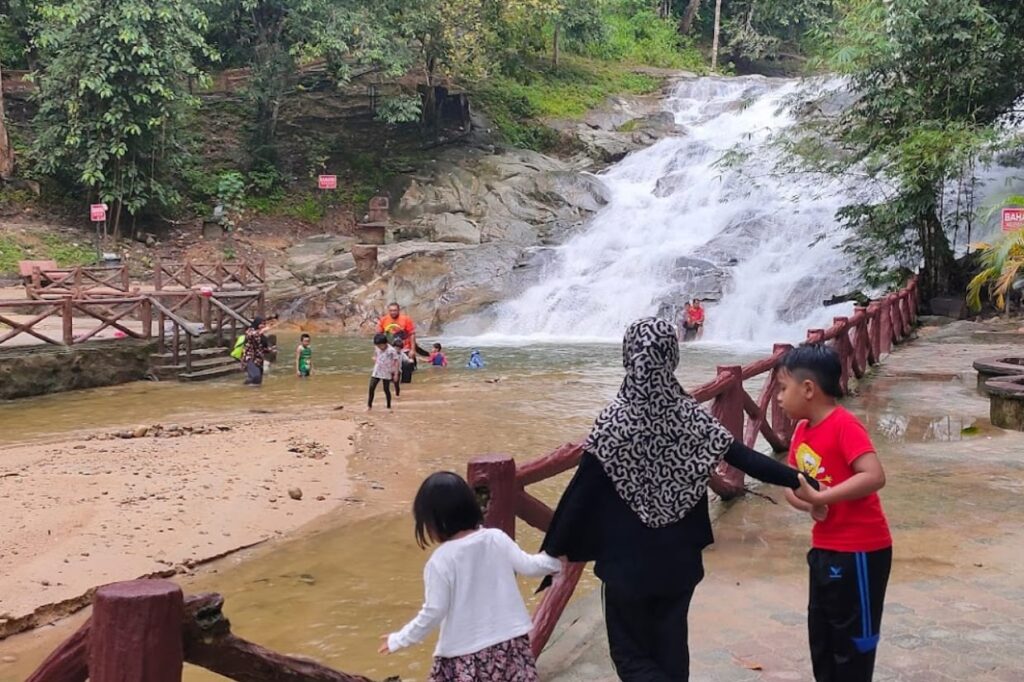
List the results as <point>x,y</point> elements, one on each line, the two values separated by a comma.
<point>83,512</point>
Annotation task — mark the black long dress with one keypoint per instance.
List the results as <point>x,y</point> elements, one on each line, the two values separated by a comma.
<point>648,574</point>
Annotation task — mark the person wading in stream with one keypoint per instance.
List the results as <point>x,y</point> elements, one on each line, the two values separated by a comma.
<point>638,505</point>
<point>397,325</point>
<point>254,352</point>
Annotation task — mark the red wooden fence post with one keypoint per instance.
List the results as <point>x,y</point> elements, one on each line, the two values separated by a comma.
<point>146,317</point>
<point>842,346</point>
<point>885,326</point>
<point>545,618</point>
<point>136,632</point>
<point>727,481</point>
<point>862,349</point>
<point>874,329</point>
<point>493,478</point>
<point>781,423</point>
<point>66,313</point>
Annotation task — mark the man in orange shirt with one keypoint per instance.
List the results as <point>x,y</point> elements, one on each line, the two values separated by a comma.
<point>394,323</point>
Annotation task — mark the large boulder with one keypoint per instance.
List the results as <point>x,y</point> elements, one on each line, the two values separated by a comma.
<point>457,228</point>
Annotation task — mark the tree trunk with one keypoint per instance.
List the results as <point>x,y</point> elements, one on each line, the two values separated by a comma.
<point>689,14</point>
<point>714,41</point>
<point>938,262</point>
<point>555,46</point>
<point>6,152</point>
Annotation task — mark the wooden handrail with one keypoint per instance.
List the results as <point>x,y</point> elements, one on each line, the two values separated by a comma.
<point>144,630</point>
<point>861,340</point>
<point>167,312</point>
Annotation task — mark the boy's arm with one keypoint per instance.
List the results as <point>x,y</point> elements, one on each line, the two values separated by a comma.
<point>298,353</point>
<point>868,477</point>
<point>795,502</point>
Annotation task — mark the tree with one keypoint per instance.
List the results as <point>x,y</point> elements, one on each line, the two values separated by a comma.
<point>112,96</point>
<point>6,151</point>
<point>689,14</point>
<point>714,41</point>
<point>928,82</point>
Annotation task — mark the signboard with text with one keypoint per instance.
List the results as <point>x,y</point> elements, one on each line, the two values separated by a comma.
<point>1013,219</point>
<point>98,213</point>
<point>328,182</point>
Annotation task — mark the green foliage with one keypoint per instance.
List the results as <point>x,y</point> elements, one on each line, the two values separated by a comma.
<point>755,29</point>
<point>643,38</point>
<point>400,109</point>
<point>517,106</point>
<point>67,253</point>
<point>929,86</point>
<point>54,247</point>
<point>1001,265</point>
<point>230,196</point>
<point>11,251</point>
<point>112,96</point>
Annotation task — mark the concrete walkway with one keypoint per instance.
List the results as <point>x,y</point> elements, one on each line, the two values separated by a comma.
<point>955,500</point>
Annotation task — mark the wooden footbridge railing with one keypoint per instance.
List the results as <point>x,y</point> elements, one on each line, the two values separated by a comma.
<point>145,630</point>
<point>188,274</point>
<point>861,341</point>
<point>175,312</point>
<point>79,282</point>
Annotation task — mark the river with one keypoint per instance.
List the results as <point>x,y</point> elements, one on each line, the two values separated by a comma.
<point>329,592</point>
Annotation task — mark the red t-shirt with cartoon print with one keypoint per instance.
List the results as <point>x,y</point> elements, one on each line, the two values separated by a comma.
<point>827,452</point>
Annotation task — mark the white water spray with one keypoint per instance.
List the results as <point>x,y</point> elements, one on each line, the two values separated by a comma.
<point>680,224</point>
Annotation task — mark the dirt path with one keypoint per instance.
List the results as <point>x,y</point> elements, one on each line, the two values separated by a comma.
<point>80,513</point>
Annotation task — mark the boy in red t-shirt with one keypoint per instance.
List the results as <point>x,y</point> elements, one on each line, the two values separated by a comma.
<point>851,548</point>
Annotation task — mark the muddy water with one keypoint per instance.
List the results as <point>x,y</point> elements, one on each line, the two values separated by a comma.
<point>330,592</point>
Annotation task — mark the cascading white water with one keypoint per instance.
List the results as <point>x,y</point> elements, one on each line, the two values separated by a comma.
<point>681,224</point>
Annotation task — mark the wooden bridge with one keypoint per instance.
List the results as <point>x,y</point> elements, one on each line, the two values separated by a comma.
<point>186,302</point>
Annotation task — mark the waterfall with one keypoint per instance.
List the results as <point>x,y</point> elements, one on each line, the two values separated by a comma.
<point>764,251</point>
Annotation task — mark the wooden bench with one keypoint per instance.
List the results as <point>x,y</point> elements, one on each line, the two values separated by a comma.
<point>27,267</point>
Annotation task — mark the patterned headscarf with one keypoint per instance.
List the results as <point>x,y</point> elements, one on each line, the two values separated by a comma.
<point>655,442</point>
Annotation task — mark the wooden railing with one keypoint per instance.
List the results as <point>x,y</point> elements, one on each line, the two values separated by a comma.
<point>101,314</point>
<point>175,312</point>
<point>188,274</point>
<point>78,282</point>
<point>861,340</point>
<point>145,630</point>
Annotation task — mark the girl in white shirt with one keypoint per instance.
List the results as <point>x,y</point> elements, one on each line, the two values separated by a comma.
<point>471,590</point>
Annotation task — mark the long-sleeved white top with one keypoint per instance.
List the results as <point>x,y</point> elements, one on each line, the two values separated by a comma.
<point>472,593</point>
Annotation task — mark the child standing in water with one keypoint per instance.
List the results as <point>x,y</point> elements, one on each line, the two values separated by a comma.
<point>385,360</point>
<point>437,357</point>
<point>471,590</point>
<point>851,547</point>
<point>304,357</point>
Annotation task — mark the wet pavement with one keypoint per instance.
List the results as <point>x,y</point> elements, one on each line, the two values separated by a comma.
<point>955,501</point>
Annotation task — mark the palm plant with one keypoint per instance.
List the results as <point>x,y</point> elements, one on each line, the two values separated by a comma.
<point>1002,263</point>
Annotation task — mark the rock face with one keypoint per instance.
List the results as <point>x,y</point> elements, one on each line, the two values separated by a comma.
<point>465,227</point>
<point>460,228</point>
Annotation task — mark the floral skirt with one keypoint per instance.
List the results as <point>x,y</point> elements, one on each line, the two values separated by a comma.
<point>510,661</point>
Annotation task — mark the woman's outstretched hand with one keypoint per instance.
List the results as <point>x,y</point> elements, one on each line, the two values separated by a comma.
<point>383,649</point>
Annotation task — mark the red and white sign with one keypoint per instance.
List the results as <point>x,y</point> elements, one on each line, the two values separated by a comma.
<point>328,182</point>
<point>1013,219</point>
<point>98,213</point>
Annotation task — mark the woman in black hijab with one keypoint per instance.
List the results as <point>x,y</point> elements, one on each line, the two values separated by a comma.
<point>638,505</point>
